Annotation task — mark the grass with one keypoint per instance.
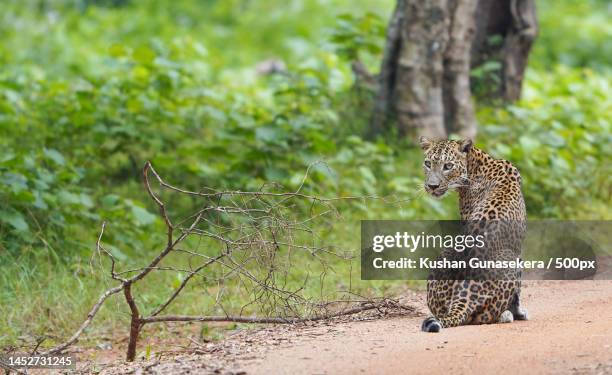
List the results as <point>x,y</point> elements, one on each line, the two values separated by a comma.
<point>46,290</point>
<point>64,293</point>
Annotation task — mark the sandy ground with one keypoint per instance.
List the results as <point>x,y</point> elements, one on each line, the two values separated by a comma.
<point>570,332</point>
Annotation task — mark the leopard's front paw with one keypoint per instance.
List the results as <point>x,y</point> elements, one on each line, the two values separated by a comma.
<point>520,314</point>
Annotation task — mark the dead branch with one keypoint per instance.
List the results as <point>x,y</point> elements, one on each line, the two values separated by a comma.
<point>94,310</point>
<point>365,306</point>
<point>99,248</point>
<point>135,322</point>
<point>255,194</point>
<point>248,240</point>
<point>160,204</point>
<point>178,290</point>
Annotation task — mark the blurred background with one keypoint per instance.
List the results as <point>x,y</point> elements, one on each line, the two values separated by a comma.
<point>236,93</point>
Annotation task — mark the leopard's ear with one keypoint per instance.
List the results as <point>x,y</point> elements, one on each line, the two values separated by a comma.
<point>465,145</point>
<point>425,143</point>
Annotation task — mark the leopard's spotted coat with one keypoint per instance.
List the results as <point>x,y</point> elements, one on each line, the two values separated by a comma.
<point>491,201</point>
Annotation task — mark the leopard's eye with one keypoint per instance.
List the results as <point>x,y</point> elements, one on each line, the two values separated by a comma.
<point>448,166</point>
<point>427,163</point>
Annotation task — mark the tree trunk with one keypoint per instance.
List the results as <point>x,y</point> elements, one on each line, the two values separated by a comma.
<point>430,50</point>
<point>420,68</point>
<point>388,68</point>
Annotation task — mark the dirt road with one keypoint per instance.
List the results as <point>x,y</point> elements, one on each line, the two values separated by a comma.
<point>570,332</point>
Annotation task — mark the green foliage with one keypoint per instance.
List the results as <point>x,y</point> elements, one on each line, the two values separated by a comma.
<point>573,33</point>
<point>358,35</point>
<point>560,137</point>
<point>90,90</point>
<point>152,107</point>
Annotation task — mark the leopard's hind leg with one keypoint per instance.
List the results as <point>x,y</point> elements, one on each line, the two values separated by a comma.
<point>459,310</point>
<point>506,317</point>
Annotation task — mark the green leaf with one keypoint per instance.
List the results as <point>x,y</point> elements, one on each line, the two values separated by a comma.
<point>55,156</point>
<point>275,174</point>
<point>142,216</point>
<point>118,254</point>
<point>144,55</point>
<point>528,143</point>
<point>503,150</point>
<point>367,174</point>
<point>176,283</point>
<point>67,197</point>
<point>86,200</point>
<point>110,200</point>
<point>267,134</point>
<point>17,182</point>
<point>117,50</point>
<point>559,162</point>
<point>15,219</point>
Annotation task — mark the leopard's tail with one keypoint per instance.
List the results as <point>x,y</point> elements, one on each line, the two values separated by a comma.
<point>431,324</point>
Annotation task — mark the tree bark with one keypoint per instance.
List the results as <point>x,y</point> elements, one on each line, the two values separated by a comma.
<point>517,45</point>
<point>135,322</point>
<point>430,50</point>
<point>459,114</point>
<point>418,91</point>
<point>515,23</point>
<point>388,67</point>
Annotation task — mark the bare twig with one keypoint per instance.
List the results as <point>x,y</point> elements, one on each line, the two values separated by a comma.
<point>248,240</point>
<point>160,204</point>
<point>178,290</point>
<point>99,248</point>
<point>94,310</point>
<point>365,306</point>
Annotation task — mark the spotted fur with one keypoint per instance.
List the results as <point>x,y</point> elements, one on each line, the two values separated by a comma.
<point>490,197</point>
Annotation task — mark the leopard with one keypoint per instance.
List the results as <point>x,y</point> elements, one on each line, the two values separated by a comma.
<point>491,203</point>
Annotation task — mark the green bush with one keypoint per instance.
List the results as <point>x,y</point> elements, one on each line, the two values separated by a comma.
<point>573,33</point>
<point>559,136</point>
<point>90,90</point>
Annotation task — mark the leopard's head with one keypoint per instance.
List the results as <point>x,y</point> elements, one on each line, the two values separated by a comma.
<point>445,164</point>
